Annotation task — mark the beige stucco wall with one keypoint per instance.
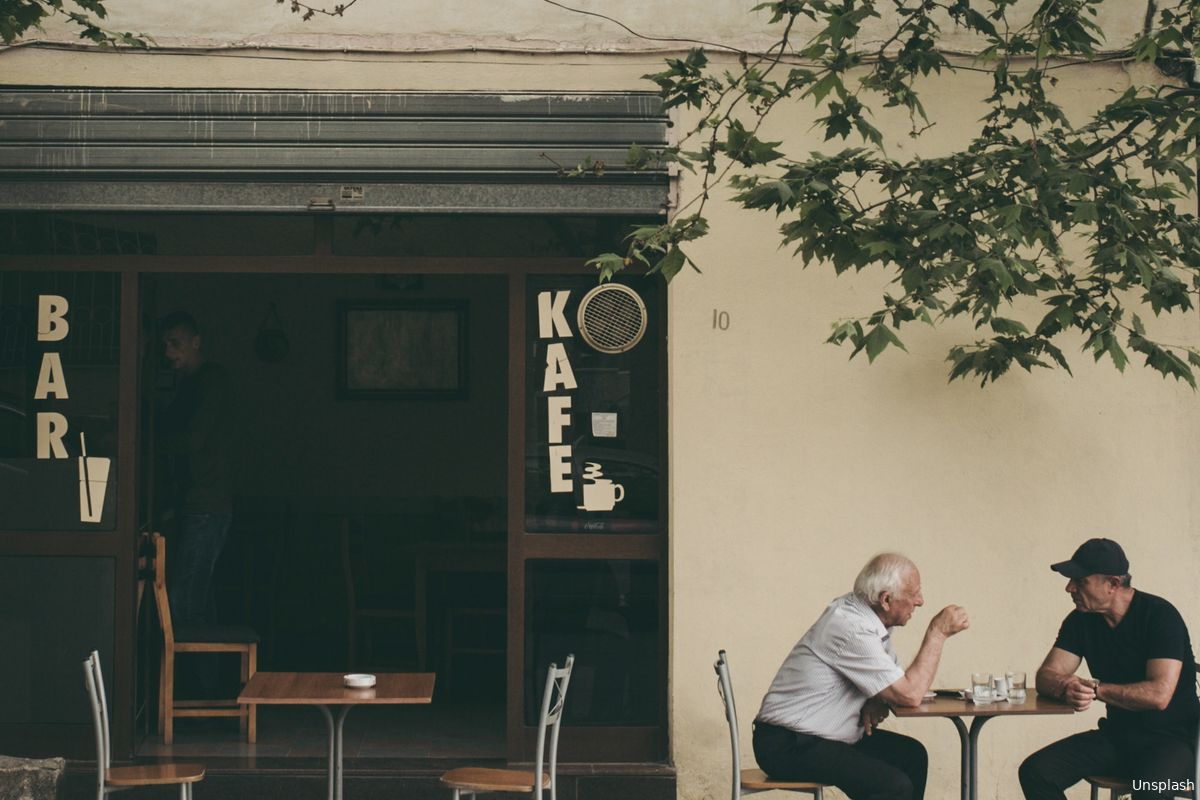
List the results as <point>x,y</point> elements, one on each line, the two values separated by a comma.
<point>789,465</point>
<point>537,25</point>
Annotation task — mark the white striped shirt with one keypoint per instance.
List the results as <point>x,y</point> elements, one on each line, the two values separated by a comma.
<point>845,658</point>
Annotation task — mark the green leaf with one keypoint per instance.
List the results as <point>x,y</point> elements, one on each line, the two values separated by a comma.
<point>670,264</point>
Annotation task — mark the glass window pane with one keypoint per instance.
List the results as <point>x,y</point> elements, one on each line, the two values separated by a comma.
<point>606,613</point>
<point>59,361</point>
<point>592,418</point>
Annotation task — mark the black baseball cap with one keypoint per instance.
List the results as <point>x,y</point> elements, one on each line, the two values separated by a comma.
<point>1094,557</point>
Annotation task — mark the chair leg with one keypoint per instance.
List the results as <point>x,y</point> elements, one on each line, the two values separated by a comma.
<point>818,793</point>
<point>252,711</point>
<point>244,715</point>
<point>168,695</point>
<point>162,683</point>
<point>1095,791</point>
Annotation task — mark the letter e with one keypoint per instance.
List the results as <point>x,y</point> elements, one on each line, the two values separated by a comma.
<point>560,469</point>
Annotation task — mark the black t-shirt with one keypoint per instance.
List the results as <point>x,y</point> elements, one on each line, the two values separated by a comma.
<point>198,432</point>
<point>1151,628</point>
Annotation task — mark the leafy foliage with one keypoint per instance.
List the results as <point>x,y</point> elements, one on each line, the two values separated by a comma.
<point>972,232</point>
<point>18,16</point>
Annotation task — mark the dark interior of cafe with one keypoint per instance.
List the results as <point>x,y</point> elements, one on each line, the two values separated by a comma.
<point>369,526</point>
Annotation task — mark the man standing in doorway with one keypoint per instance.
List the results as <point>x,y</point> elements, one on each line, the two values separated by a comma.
<point>819,719</point>
<point>197,434</point>
<point>1139,652</point>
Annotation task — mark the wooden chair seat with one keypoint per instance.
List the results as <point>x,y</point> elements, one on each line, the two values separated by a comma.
<point>758,780</point>
<point>481,779</point>
<point>154,774</point>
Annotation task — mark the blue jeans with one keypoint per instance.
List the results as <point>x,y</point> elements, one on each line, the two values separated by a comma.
<point>199,539</point>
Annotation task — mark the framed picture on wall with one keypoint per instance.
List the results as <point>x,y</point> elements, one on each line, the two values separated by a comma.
<point>402,350</point>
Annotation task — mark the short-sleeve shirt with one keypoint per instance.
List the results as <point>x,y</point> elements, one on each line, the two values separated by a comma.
<point>1151,628</point>
<point>844,659</point>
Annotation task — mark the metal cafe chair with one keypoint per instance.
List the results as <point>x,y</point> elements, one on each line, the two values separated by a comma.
<point>751,781</point>
<point>1119,787</point>
<point>469,781</point>
<point>111,779</point>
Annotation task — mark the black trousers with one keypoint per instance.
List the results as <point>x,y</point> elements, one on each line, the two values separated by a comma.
<point>1144,759</point>
<point>882,766</point>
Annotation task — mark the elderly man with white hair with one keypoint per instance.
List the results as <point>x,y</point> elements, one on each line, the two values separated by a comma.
<point>818,721</point>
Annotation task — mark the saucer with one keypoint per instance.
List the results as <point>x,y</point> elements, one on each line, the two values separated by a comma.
<point>357,680</point>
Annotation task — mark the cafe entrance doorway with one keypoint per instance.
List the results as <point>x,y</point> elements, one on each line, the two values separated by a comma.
<point>366,418</point>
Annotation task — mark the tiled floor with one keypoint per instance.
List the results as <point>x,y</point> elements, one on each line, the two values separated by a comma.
<point>427,732</point>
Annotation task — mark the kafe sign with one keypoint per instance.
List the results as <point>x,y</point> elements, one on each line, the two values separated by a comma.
<point>52,426</point>
<point>558,380</point>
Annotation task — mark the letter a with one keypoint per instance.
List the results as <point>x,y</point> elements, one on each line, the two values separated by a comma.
<point>51,380</point>
<point>552,323</point>
<point>52,318</point>
<point>51,428</point>
<point>558,369</point>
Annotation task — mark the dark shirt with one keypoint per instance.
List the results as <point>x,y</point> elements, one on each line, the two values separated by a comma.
<point>1151,628</point>
<point>198,433</point>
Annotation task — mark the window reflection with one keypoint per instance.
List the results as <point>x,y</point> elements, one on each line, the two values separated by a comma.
<point>606,613</point>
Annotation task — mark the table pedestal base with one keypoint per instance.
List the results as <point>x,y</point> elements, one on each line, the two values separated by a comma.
<point>969,739</point>
<point>335,725</point>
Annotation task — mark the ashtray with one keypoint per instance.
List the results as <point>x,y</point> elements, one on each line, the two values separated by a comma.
<point>358,680</point>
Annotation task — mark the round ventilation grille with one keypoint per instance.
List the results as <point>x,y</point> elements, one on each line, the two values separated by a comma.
<point>612,318</point>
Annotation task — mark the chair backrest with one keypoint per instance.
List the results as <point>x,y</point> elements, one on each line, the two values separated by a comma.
<point>553,699</point>
<point>161,602</point>
<point>94,680</point>
<point>725,689</point>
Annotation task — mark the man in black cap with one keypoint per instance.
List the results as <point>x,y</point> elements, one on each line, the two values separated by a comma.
<point>1140,656</point>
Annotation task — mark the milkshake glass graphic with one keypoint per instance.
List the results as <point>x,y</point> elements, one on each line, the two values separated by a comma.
<point>93,481</point>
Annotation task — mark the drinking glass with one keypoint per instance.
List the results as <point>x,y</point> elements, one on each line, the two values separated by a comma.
<point>981,687</point>
<point>1016,687</point>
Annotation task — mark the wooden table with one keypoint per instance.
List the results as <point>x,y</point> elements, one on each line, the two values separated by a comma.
<point>954,709</point>
<point>325,689</point>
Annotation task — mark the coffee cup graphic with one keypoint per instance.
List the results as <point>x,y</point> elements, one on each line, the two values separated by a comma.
<point>602,495</point>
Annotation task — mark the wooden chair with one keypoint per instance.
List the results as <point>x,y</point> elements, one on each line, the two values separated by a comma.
<point>111,779</point>
<point>469,781</point>
<point>750,781</point>
<point>1119,787</point>
<point>365,609</point>
<point>198,639</point>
